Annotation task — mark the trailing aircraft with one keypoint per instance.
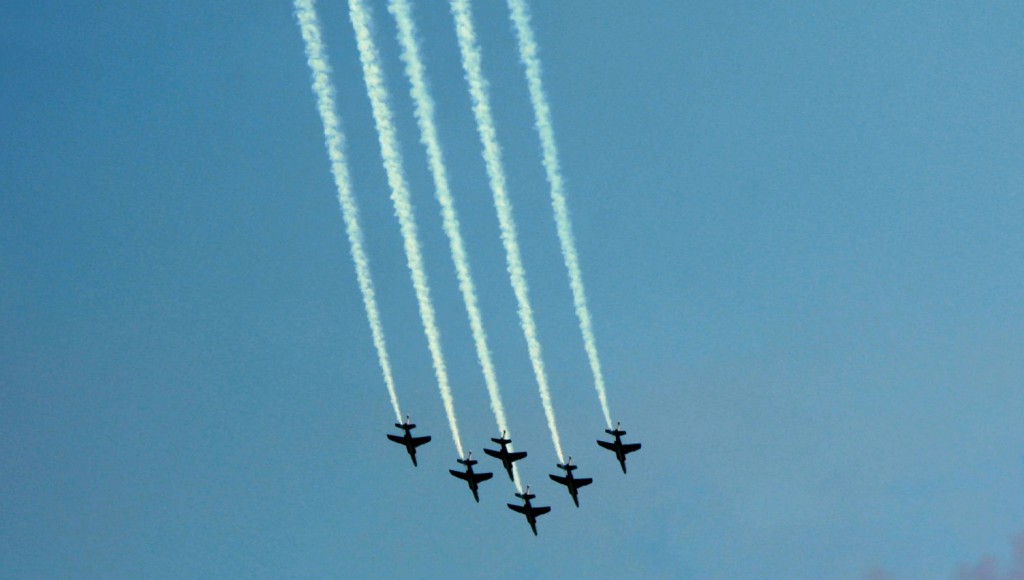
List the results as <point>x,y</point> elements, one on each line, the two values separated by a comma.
<point>469,476</point>
<point>571,482</point>
<point>507,457</point>
<point>410,442</point>
<point>620,448</point>
<point>527,509</point>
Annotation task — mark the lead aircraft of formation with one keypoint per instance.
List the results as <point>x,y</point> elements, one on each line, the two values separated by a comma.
<point>529,510</point>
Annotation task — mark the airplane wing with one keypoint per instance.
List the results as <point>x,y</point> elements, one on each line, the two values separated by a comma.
<point>396,439</point>
<point>606,445</point>
<point>417,441</point>
<point>516,508</point>
<point>516,456</point>
<point>559,479</point>
<point>539,511</point>
<point>482,476</point>
<point>630,447</point>
<point>459,474</point>
<point>492,453</point>
<point>584,481</point>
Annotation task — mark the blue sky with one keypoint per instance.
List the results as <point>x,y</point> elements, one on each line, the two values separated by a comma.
<point>799,227</point>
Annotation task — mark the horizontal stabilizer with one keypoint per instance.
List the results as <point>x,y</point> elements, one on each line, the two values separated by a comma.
<point>606,445</point>
<point>501,441</point>
<point>631,447</point>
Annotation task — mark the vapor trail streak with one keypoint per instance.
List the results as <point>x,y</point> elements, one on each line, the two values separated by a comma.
<point>424,108</point>
<point>334,139</point>
<point>479,93</point>
<point>542,112</point>
<point>392,156</point>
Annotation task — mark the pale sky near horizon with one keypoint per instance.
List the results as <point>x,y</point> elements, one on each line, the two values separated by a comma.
<point>800,230</point>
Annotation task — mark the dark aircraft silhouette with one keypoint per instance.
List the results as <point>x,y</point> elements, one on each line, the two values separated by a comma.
<point>571,482</point>
<point>507,457</point>
<point>410,442</point>
<point>529,510</point>
<point>620,448</point>
<point>469,476</point>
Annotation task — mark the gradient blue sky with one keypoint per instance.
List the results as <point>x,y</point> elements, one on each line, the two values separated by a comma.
<point>800,229</point>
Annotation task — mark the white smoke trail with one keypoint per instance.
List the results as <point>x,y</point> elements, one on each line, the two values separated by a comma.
<point>335,141</point>
<point>542,112</point>
<point>424,107</point>
<point>479,93</point>
<point>392,155</point>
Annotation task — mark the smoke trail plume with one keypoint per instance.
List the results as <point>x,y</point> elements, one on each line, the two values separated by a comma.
<point>391,153</point>
<point>542,113</point>
<point>424,108</point>
<point>335,141</point>
<point>479,93</point>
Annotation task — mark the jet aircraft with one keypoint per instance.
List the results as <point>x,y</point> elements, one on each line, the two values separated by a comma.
<point>469,476</point>
<point>620,448</point>
<point>571,482</point>
<point>507,457</point>
<point>410,442</point>
<point>530,511</point>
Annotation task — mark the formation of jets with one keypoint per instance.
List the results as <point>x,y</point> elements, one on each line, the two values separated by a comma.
<point>509,457</point>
